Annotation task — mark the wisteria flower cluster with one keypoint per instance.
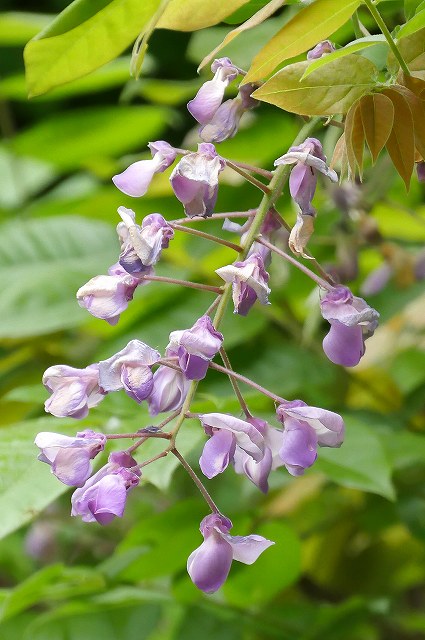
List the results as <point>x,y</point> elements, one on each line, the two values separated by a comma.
<point>168,382</point>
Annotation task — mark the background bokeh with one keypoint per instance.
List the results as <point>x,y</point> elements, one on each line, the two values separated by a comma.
<point>350,535</point>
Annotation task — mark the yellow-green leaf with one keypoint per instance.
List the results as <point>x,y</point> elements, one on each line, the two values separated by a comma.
<point>313,23</point>
<point>415,24</point>
<point>253,21</point>
<point>329,90</point>
<point>352,47</point>
<point>401,141</point>
<point>412,48</point>
<point>190,15</point>
<point>377,113</point>
<point>57,56</point>
<point>339,157</point>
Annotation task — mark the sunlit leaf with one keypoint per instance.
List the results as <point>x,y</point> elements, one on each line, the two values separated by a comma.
<point>82,38</point>
<point>190,15</point>
<point>377,113</point>
<point>312,24</point>
<point>415,23</point>
<point>255,20</point>
<point>412,48</point>
<point>16,28</point>
<point>401,141</point>
<point>329,90</point>
<point>352,47</point>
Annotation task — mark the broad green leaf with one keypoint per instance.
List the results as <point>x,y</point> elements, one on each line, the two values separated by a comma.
<point>360,463</point>
<point>16,28</point>
<point>329,90</point>
<point>410,7</point>
<point>34,175</point>
<point>352,47</point>
<point>255,20</point>
<point>42,264</point>
<point>313,23</point>
<point>412,48</point>
<point>89,135</point>
<point>401,141</point>
<point>27,486</point>
<point>79,41</point>
<point>281,563</point>
<point>414,24</point>
<point>55,582</point>
<point>190,15</point>
<point>377,113</point>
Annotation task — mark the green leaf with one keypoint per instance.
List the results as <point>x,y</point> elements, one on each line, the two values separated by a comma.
<point>42,264</point>
<point>352,47</point>
<point>27,486</point>
<point>414,24</point>
<point>190,15</point>
<point>55,582</point>
<point>329,90</point>
<point>89,134</point>
<point>83,37</point>
<point>377,117</point>
<point>312,24</point>
<point>361,462</point>
<point>281,563</point>
<point>16,28</point>
<point>412,48</point>
<point>410,7</point>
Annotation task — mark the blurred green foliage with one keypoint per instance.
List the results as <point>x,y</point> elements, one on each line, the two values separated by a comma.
<point>349,559</point>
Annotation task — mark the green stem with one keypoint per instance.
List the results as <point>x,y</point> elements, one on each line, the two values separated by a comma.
<point>381,24</point>
<point>280,177</point>
<point>196,480</point>
<point>234,384</point>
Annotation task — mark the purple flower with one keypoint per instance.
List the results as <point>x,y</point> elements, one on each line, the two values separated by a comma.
<point>305,428</point>
<point>352,322</point>
<point>209,97</point>
<point>209,565</point>
<point>170,388</point>
<point>225,122</point>
<point>321,49</point>
<point>130,369</point>
<point>103,496</point>
<point>420,170</point>
<point>195,180</point>
<point>107,296</point>
<point>68,457</point>
<point>141,246</point>
<point>196,347</point>
<point>258,472</point>
<point>135,180</point>
<point>226,433</point>
<point>249,280</point>
<point>74,391</point>
<point>308,158</point>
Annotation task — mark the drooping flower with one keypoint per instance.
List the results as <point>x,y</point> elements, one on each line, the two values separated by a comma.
<point>107,296</point>
<point>210,96</point>
<point>69,458</point>
<point>103,496</point>
<point>225,122</point>
<point>130,369</point>
<point>209,565</point>
<point>170,388</point>
<point>135,180</point>
<point>321,49</point>
<point>352,322</point>
<point>141,246</point>
<point>226,433</point>
<point>258,472</point>
<point>306,428</point>
<point>309,159</point>
<point>249,282</point>
<point>196,347</point>
<point>74,391</point>
<point>195,180</point>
